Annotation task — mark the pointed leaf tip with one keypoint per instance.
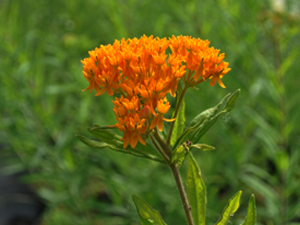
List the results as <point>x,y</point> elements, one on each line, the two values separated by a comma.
<point>179,123</point>
<point>148,216</point>
<point>203,121</point>
<point>251,215</point>
<point>118,148</point>
<point>203,147</point>
<point>232,100</point>
<point>230,209</point>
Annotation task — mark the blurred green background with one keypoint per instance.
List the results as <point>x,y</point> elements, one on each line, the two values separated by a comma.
<point>42,107</point>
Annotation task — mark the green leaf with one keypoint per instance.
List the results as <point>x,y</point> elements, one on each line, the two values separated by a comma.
<point>251,215</point>
<point>186,133</point>
<point>207,113</point>
<point>198,122</point>
<point>97,144</point>
<point>232,100</point>
<point>230,209</point>
<point>213,117</point>
<point>179,124</point>
<point>178,156</point>
<point>203,147</point>
<point>196,192</point>
<point>147,215</point>
<point>103,145</point>
<point>104,127</point>
<point>203,121</point>
<point>106,135</point>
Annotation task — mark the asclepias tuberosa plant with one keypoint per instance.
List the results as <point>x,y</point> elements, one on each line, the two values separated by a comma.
<point>140,73</point>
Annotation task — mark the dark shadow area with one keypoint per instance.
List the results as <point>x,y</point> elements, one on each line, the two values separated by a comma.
<point>18,203</point>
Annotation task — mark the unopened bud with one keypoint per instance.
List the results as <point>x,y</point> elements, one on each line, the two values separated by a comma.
<point>146,112</point>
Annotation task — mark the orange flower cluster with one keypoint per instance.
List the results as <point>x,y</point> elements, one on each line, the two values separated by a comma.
<point>143,73</point>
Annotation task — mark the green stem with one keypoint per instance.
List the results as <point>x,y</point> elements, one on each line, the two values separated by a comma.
<point>175,114</point>
<point>162,143</point>
<point>183,197</point>
<point>167,159</point>
<point>166,152</point>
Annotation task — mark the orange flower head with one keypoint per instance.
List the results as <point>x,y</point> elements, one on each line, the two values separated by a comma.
<point>142,74</point>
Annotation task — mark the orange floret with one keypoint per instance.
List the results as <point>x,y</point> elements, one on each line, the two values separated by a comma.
<point>158,119</point>
<point>132,126</point>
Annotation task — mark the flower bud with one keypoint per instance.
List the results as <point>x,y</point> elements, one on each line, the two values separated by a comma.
<point>146,112</point>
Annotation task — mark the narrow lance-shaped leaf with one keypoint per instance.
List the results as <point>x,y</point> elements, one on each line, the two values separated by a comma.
<point>184,136</point>
<point>179,124</point>
<point>198,121</point>
<point>251,215</point>
<point>203,121</point>
<point>110,137</point>
<point>232,100</point>
<point>147,215</point>
<point>96,144</point>
<point>230,209</point>
<point>195,137</point>
<point>196,192</point>
<point>230,103</point>
<point>209,112</point>
<point>106,136</point>
<point>104,127</point>
<point>203,147</point>
<point>103,145</point>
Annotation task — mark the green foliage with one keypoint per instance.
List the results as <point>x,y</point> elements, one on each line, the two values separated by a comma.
<point>202,147</point>
<point>147,215</point>
<point>108,136</point>
<point>251,216</point>
<point>196,192</point>
<point>113,141</point>
<point>203,121</point>
<point>178,156</point>
<point>103,145</point>
<point>41,45</point>
<point>179,124</point>
<point>180,118</point>
<point>230,209</point>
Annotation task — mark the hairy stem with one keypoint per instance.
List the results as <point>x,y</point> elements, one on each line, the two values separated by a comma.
<point>183,197</point>
<point>164,148</point>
